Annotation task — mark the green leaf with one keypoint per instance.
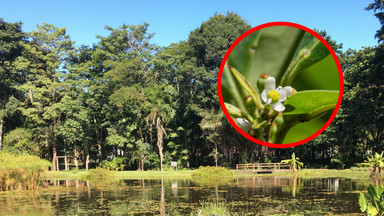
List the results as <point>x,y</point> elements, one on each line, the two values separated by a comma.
<point>307,105</point>
<point>372,210</point>
<point>248,87</point>
<point>303,107</point>
<point>379,190</point>
<point>372,192</point>
<point>362,202</point>
<point>311,50</point>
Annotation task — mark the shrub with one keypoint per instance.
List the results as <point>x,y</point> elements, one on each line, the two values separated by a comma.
<point>97,174</point>
<point>209,172</point>
<point>21,172</point>
<point>116,164</point>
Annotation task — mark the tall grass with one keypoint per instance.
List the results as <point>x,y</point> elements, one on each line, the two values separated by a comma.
<point>211,208</point>
<point>21,172</point>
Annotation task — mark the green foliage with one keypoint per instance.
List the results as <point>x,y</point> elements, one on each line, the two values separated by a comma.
<point>211,208</point>
<point>212,172</point>
<point>210,42</point>
<point>19,141</point>
<point>98,174</point>
<point>378,5</point>
<point>114,165</point>
<point>21,172</point>
<point>127,96</point>
<point>376,162</point>
<point>375,204</point>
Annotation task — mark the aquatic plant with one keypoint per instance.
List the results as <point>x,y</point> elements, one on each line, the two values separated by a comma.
<point>210,171</point>
<point>21,172</point>
<point>375,204</point>
<point>211,208</point>
<point>294,163</point>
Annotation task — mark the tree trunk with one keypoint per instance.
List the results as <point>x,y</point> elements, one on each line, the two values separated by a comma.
<point>160,134</point>
<point>54,151</point>
<point>54,154</point>
<point>1,134</point>
<point>87,155</point>
<point>216,155</point>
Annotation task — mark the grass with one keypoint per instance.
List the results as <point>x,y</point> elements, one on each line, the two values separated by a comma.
<point>211,208</point>
<point>209,172</point>
<point>21,172</point>
<point>187,174</point>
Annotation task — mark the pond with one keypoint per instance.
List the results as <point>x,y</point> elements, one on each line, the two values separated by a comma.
<point>244,196</point>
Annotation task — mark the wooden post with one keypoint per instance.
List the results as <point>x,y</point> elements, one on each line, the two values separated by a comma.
<point>253,167</point>
<point>65,162</point>
<point>57,164</point>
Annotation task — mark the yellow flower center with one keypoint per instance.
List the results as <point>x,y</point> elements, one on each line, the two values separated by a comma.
<point>274,95</point>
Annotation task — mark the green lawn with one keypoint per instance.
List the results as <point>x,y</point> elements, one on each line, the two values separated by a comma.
<point>185,174</point>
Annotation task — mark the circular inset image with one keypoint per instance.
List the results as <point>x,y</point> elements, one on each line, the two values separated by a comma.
<point>280,84</point>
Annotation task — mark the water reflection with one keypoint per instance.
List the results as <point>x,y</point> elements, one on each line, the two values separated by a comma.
<point>259,195</point>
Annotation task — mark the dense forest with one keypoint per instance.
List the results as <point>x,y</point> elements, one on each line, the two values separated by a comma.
<point>127,97</point>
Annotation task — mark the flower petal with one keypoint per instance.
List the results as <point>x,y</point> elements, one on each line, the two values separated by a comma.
<point>264,96</point>
<point>270,84</point>
<point>288,90</point>
<point>282,92</point>
<point>279,107</point>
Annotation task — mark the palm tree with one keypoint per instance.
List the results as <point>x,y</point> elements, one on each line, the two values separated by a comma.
<point>294,163</point>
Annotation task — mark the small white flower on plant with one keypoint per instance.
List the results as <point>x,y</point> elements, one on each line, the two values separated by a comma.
<point>275,96</point>
<point>244,124</point>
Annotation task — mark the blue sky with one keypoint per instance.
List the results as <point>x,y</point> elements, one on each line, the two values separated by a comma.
<point>346,21</point>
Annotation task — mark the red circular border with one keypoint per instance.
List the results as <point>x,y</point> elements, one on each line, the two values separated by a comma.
<point>221,74</point>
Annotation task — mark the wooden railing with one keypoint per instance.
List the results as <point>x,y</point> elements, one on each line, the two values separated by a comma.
<point>262,166</point>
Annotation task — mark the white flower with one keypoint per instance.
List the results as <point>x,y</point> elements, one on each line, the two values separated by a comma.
<point>275,96</point>
<point>244,124</point>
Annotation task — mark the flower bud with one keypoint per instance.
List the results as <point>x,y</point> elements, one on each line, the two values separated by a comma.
<point>279,120</point>
<point>261,81</point>
<point>234,111</point>
<point>244,124</point>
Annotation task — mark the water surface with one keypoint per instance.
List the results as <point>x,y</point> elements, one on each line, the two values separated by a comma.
<point>245,196</point>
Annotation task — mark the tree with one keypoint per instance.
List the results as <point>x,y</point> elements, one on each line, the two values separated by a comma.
<point>161,111</point>
<point>43,64</point>
<point>378,5</point>
<point>10,37</point>
<point>213,127</point>
<point>210,42</point>
<point>141,154</point>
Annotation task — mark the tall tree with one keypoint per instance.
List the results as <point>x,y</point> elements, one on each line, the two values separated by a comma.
<point>378,5</point>
<point>44,64</point>
<point>10,37</point>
